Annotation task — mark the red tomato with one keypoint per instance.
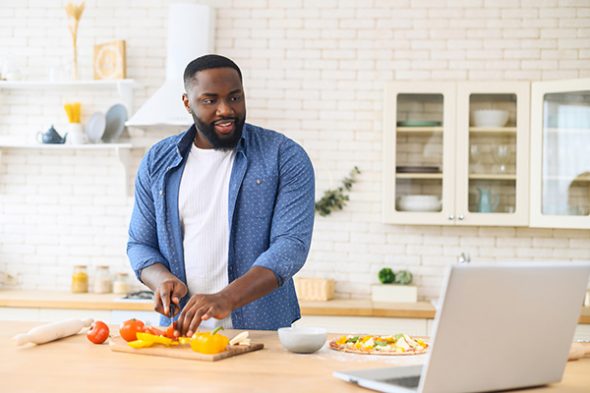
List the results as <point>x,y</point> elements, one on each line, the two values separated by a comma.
<point>153,330</point>
<point>98,333</point>
<point>170,331</point>
<point>130,328</point>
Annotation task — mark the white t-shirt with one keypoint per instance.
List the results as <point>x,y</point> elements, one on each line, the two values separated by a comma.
<point>202,206</point>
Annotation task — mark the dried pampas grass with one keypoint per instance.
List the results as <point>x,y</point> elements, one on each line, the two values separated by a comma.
<point>74,13</point>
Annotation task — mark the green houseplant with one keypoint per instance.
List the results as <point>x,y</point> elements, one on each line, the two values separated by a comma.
<point>337,198</point>
<point>394,287</point>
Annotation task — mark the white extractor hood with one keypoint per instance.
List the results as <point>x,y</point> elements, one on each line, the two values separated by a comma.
<point>190,35</point>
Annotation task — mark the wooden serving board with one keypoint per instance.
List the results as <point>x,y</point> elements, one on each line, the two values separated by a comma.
<point>117,344</point>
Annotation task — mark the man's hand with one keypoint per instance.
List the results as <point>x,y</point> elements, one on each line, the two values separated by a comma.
<point>200,308</point>
<point>170,290</point>
<point>166,286</point>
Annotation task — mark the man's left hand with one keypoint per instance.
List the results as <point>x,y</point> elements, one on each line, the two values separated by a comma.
<point>200,308</point>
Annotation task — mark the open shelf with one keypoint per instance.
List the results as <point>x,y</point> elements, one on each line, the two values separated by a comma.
<point>492,176</point>
<point>492,130</point>
<point>417,130</point>
<point>121,150</point>
<point>419,175</point>
<point>43,84</point>
<point>49,146</point>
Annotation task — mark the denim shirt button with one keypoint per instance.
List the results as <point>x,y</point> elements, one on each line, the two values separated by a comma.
<point>161,192</point>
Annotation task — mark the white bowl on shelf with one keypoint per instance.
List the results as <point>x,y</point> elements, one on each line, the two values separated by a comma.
<point>419,203</point>
<point>489,118</point>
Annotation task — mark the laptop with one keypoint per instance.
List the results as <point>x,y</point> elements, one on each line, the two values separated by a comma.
<point>500,326</point>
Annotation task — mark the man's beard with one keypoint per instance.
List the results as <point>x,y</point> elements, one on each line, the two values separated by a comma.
<point>226,142</point>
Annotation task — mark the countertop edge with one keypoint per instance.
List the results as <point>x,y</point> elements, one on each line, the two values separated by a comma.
<point>336,307</point>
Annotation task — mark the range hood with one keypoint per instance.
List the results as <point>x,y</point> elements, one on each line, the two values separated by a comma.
<point>190,35</point>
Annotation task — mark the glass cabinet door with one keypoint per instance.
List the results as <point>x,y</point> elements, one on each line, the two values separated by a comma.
<point>492,138</point>
<point>562,130</point>
<point>418,130</point>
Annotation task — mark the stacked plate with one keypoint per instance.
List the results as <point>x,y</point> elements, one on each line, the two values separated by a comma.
<point>106,128</point>
<point>95,126</point>
<point>115,123</point>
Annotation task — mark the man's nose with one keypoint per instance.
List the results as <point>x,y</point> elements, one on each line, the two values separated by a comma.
<point>224,108</point>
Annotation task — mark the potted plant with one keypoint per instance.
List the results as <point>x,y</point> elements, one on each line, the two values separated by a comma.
<point>395,287</point>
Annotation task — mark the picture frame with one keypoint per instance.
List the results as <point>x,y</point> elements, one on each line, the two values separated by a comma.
<point>110,60</point>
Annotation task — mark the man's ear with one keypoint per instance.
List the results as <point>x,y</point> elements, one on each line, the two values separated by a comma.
<point>186,103</point>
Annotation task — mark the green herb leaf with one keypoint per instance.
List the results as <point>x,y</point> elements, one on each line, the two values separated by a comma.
<point>336,199</point>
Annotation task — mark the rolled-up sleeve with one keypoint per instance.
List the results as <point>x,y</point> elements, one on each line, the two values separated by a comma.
<point>142,247</point>
<point>292,222</point>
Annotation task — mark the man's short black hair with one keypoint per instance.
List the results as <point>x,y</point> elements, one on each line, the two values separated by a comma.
<point>207,62</point>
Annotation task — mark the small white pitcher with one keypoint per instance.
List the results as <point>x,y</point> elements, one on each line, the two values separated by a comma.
<point>76,135</point>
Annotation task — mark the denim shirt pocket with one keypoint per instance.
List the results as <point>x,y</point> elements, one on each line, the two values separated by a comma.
<point>257,196</point>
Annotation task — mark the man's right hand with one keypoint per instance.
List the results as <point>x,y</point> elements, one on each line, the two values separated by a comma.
<point>166,286</point>
<point>170,290</point>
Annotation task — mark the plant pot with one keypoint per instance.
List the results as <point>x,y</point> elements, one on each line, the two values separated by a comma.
<point>394,293</point>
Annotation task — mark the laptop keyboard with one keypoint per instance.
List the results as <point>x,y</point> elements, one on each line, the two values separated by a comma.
<point>406,382</point>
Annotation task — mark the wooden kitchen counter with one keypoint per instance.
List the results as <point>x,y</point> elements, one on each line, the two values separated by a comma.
<point>90,301</point>
<point>75,365</point>
<point>337,307</point>
<point>68,300</point>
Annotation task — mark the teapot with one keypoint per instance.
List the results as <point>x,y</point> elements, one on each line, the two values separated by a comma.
<point>487,202</point>
<point>51,136</point>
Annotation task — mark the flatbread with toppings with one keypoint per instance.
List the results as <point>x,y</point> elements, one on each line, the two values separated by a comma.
<point>398,344</point>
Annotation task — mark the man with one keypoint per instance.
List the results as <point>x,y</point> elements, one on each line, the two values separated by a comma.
<point>223,212</point>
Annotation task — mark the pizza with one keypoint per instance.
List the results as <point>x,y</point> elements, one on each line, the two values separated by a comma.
<point>398,344</point>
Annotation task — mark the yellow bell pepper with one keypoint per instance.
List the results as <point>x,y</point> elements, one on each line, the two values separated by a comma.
<point>139,344</point>
<point>153,339</point>
<point>184,340</point>
<point>209,343</point>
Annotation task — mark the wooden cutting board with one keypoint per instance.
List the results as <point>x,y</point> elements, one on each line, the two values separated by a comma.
<point>117,344</point>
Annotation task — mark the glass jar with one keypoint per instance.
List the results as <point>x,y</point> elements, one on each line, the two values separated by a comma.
<point>79,279</point>
<point>121,285</point>
<point>102,280</point>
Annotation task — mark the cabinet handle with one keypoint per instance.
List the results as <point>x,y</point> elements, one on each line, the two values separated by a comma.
<point>461,217</point>
<point>451,217</point>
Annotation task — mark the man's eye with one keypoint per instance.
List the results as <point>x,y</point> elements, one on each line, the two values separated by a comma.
<point>235,98</point>
<point>207,101</point>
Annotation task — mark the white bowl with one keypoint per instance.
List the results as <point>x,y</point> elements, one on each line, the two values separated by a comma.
<point>489,118</point>
<point>419,203</point>
<point>302,339</point>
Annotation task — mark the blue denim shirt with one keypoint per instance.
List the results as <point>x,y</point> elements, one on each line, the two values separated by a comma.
<point>271,213</point>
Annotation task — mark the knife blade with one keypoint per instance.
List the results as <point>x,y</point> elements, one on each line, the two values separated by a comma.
<point>171,310</point>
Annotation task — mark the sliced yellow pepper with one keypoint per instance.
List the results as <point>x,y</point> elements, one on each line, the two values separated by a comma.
<point>152,338</point>
<point>184,340</point>
<point>139,344</point>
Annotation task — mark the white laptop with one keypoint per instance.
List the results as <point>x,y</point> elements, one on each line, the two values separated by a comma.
<point>499,326</point>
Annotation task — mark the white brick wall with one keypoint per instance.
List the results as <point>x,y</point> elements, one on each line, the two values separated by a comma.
<point>313,70</point>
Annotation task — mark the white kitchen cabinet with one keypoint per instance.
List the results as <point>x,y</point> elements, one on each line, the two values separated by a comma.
<point>560,154</point>
<point>440,168</point>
